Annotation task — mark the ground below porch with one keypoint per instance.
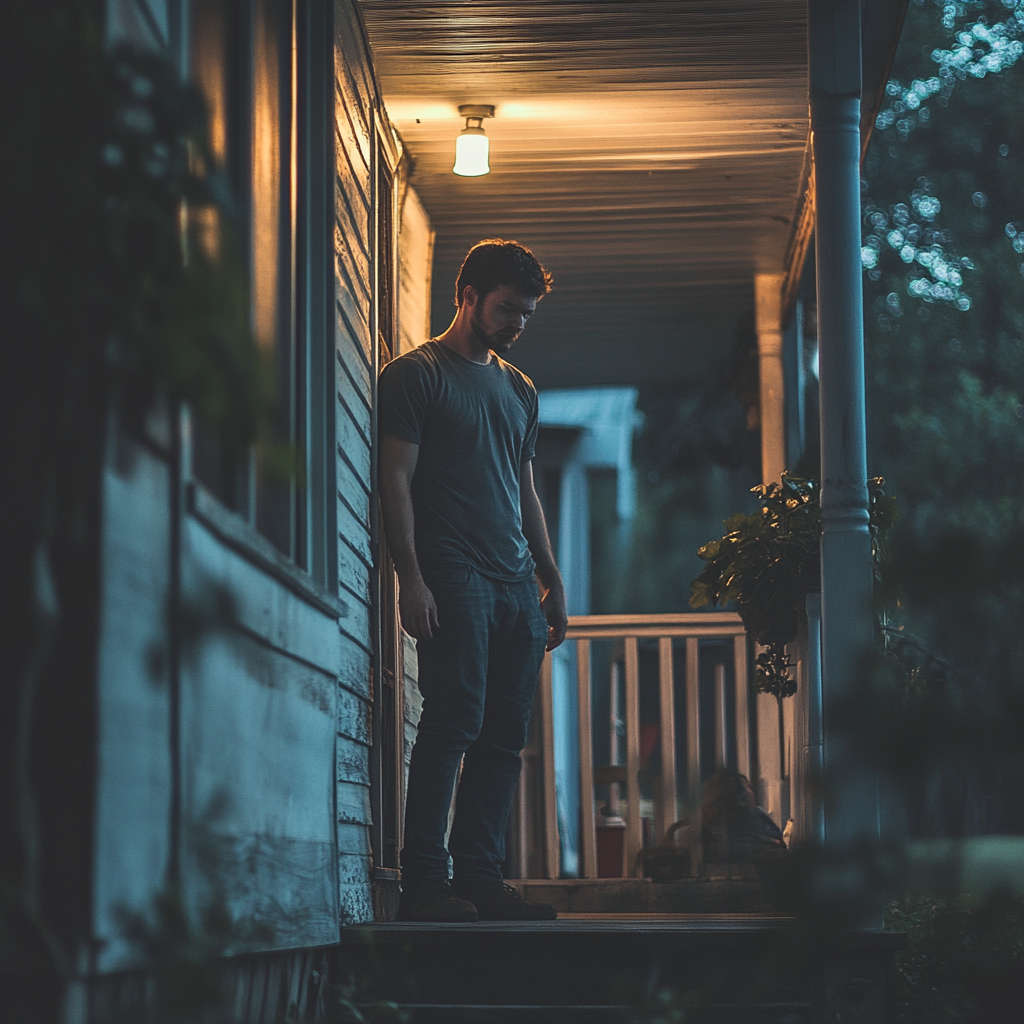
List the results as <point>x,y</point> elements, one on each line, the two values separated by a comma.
<point>741,968</point>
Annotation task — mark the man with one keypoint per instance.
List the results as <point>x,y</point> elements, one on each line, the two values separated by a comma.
<point>467,535</point>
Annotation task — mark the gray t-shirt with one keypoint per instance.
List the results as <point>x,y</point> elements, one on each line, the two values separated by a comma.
<point>475,425</point>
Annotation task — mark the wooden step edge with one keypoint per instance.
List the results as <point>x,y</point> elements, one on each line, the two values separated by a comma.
<point>542,1013</point>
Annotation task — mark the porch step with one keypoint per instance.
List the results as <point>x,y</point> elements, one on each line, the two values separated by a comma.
<point>629,968</point>
<point>781,1013</point>
<point>641,895</point>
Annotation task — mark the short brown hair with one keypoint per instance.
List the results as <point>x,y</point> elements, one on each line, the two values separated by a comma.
<point>494,262</point>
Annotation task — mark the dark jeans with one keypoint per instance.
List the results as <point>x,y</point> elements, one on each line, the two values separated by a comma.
<point>477,676</point>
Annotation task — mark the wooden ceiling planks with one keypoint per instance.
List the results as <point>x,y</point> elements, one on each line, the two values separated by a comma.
<point>650,152</point>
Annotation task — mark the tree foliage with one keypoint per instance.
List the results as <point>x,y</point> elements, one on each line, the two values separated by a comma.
<point>943,252</point>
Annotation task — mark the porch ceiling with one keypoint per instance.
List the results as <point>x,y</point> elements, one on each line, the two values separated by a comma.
<point>652,153</point>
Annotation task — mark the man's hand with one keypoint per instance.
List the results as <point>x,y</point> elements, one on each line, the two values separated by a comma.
<point>552,604</point>
<point>418,610</point>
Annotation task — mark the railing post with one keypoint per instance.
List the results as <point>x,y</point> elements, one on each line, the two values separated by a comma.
<point>547,760</point>
<point>634,826</point>
<point>693,793</point>
<point>721,750</point>
<point>668,805</point>
<point>614,721</point>
<point>588,837</point>
<point>739,649</point>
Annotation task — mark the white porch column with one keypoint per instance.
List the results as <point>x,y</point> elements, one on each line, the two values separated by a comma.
<point>835,86</point>
<point>768,306</point>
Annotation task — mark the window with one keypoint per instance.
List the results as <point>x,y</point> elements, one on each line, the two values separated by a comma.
<point>258,65</point>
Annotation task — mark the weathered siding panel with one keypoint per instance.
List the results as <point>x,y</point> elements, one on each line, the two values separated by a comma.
<point>354,374</point>
<point>259,732</point>
<point>354,803</point>
<point>353,319</point>
<point>353,716</point>
<point>355,100</point>
<point>133,787</point>
<point>352,571</point>
<point>356,626</point>
<point>355,667</point>
<point>352,430</point>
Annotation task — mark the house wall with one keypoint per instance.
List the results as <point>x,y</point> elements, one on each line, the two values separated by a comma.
<point>235,753</point>
<point>415,267</point>
<point>355,101</point>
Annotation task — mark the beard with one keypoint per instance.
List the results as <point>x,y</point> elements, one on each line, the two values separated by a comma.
<point>497,341</point>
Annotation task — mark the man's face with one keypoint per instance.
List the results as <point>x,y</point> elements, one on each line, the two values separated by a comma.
<point>499,317</point>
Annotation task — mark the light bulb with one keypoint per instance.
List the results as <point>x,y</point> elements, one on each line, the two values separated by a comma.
<point>471,149</point>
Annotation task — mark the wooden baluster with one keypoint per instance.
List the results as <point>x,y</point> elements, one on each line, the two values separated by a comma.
<point>634,827</point>
<point>547,725</point>
<point>614,746</point>
<point>588,835</point>
<point>721,746</point>
<point>668,807</point>
<point>742,713</point>
<point>693,793</point>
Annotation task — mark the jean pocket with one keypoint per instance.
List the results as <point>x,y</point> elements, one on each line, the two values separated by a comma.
<point>447,576</point>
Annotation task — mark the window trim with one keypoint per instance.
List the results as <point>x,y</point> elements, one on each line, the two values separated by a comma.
<point>230,528</point>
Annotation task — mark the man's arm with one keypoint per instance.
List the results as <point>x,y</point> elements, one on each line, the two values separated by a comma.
<point>398,460</point>
<point>536,532</point>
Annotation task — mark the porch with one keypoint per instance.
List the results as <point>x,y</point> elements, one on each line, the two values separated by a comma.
<point>659,158</point>
<point>665,165</point>
<point>662,165</point>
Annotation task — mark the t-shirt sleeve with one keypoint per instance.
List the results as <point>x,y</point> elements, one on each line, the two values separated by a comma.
<point>403,394</point>
<point>532,425</point>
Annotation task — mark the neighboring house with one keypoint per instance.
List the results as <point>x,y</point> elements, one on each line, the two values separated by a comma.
<point>581,431</point>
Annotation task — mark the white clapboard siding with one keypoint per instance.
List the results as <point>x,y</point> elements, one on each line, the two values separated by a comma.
<point>355,100</point>
<point>259,730</point>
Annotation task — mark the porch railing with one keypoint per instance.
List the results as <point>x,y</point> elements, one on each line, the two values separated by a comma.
<point>622,773</point>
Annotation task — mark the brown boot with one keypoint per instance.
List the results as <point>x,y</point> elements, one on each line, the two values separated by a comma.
<point>434,901</point>
<point>498,901</point>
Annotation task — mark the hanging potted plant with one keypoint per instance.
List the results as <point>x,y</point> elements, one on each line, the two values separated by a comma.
<point>769,561</point>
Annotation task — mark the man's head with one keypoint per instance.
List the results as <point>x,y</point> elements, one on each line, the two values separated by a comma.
<point>497,290</point>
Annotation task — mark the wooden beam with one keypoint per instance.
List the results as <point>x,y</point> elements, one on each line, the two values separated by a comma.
<point>634,833</point>
<point>668,808</point>
<point>547,765</point>
<point>588,835</point>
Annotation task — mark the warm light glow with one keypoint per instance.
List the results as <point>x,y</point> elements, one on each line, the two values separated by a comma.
<point>471,149</point>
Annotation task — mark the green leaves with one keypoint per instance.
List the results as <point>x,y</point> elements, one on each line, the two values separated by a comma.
<point>768,562</point>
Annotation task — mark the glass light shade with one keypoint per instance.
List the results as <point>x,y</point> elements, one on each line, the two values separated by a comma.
<point>471,149</point>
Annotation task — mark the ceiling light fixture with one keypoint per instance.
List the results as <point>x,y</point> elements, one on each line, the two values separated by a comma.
<point>472,146</point>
